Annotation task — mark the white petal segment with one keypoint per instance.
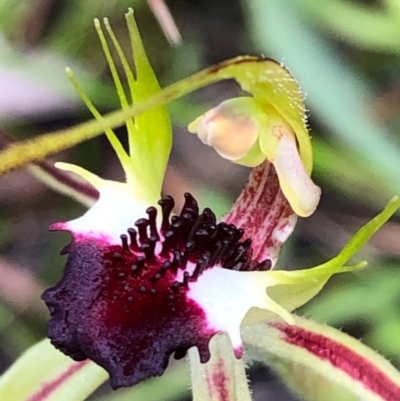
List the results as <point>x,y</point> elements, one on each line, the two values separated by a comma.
<point>119,206</point>
<point>227,295</point>
<point>111,215</point>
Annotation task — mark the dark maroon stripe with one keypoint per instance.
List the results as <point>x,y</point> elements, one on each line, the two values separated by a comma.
<point>343,358</point>
<point>58,175</point>
<point>220,381</point>
<point>69,181</point>
<point>50,386</point>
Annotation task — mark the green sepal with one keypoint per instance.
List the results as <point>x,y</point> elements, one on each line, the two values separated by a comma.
<point>303,285</point>
<point>43,373</point>
<point>288,290</point>
<point>153,137</point>
<point>319,362</point>
<point>254,74</point>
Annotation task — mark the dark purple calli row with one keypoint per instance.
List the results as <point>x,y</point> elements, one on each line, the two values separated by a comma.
<point>128,307</point>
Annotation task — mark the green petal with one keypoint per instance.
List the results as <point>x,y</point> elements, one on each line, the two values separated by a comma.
<point>153,137</point>
<point>149,135</point>
<point>44,374</point>
<point>319,362</point>
<point>292,289</point>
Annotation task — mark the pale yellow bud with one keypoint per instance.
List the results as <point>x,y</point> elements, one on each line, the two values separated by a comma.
<point>248,133</point>
<point>232,128</point>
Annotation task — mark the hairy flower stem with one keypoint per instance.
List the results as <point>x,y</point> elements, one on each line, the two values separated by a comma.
<point>223,377</point>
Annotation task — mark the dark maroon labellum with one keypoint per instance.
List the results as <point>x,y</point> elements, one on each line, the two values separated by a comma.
<point>126,307</point>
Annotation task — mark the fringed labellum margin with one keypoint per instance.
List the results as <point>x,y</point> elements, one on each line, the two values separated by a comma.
<point>129,306</point>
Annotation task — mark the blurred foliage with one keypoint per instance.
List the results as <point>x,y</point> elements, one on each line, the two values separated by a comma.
<point>346,55</point>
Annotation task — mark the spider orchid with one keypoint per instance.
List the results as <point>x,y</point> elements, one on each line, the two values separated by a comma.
<point>142,283</point>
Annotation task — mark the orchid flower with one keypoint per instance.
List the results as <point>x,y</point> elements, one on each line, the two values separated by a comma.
<point>144,282</point>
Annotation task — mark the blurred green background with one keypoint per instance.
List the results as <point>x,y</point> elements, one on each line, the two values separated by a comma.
<point>346,56</point>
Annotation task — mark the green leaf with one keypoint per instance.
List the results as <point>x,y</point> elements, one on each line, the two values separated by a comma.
<point>372,28</point>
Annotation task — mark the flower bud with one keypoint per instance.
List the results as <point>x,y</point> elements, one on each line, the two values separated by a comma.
<point>249,132</point>
<point>232,128</point>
